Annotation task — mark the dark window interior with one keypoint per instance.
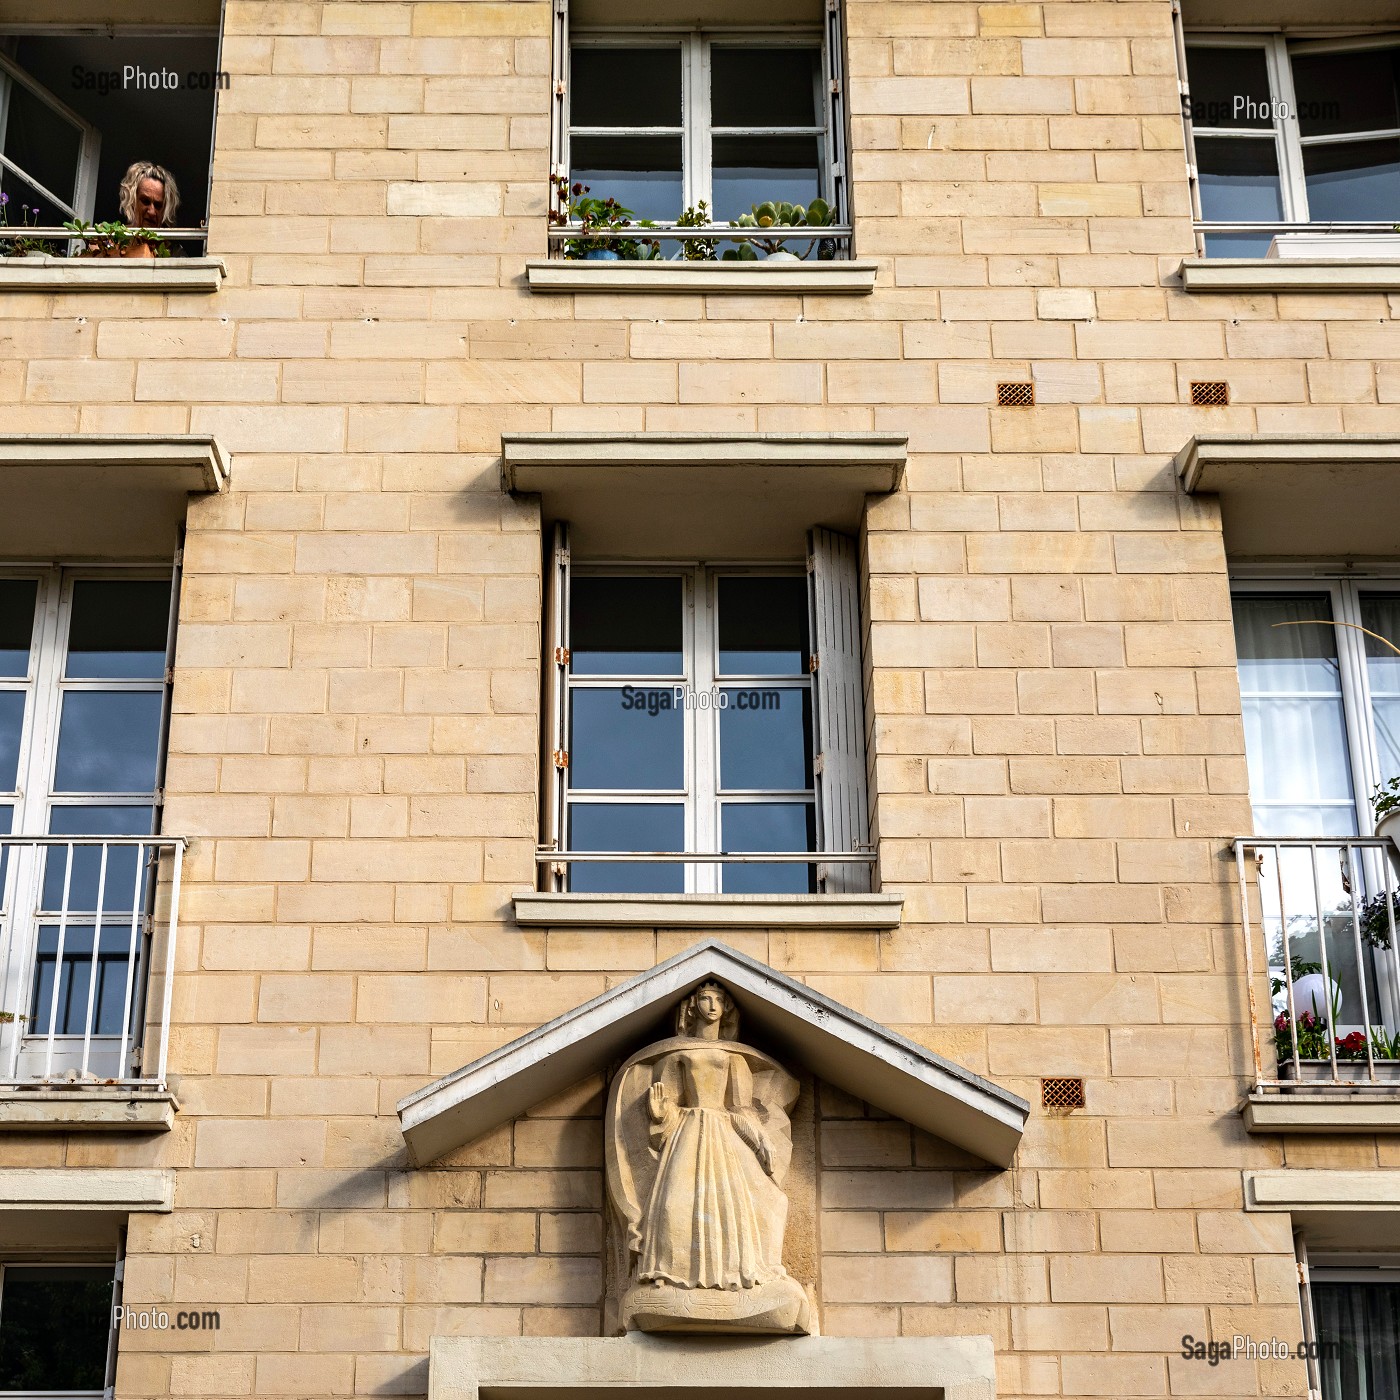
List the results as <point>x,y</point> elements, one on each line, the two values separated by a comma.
<point>53,1327</point>
<point>172,128</point>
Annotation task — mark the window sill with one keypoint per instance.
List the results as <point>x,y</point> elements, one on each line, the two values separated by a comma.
<point>870,911</point>
<point>45,274</point>
<point>1373,273</point>
<point>1321,1108</point>
<point>84,1108</point>
<point>577,275</point>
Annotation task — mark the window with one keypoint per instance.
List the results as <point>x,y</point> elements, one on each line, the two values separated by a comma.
<point>707,709</point>
<point>1321,702</point>
<point>1293,132</point>
<point>55,1326</point>
<point>77,109</point>
<point>663,121</point>
<point>82,706</point>
<point>1356,1322</point>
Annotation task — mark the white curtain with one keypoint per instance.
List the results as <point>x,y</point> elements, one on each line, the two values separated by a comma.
<point>1380,612</point>
<point>1295,727</point>
<point>1358,1325</point>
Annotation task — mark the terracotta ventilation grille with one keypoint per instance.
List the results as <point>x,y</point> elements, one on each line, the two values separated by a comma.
<point>1015,395</point>
<point>1062,1093</point>
<point>1210,393</point>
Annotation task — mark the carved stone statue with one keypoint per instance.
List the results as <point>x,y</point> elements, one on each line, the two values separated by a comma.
<point>698,1146</point>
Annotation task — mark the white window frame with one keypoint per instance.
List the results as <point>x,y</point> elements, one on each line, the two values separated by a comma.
<point>1344,593</point>
<point>89,144</point>
<point>1284,131</point>
<point>696,132</point>
<point>34,800</point>
<point>701,793</point>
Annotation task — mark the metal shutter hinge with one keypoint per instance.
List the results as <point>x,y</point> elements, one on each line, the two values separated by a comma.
<point>561,759</point>
<point>819,764</point>
<point>561,557</point>
<point>814,665</point>
<point>562,656</point>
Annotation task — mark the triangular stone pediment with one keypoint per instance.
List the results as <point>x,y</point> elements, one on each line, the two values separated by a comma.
<point>835,1043</point>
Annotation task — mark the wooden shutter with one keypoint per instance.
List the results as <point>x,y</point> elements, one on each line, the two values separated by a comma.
<point>833,590</point>
<point>553,758</point>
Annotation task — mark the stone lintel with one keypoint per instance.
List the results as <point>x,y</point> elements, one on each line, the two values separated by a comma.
<point>713,1368</point>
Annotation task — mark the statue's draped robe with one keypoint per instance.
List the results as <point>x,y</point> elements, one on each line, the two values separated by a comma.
<point>703,1222</point>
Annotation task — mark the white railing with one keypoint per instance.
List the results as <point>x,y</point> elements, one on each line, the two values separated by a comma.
<point>89,926</point>
<point>1329,910</point>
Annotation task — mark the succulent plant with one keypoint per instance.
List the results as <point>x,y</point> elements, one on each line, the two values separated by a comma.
<point>778,214</point>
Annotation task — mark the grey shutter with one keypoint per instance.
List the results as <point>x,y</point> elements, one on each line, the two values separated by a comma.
<point>843,824</point>
<point>553,697</point>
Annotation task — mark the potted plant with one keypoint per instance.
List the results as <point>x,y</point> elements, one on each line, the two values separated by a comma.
<point>778,214</point>
<point>23,246</point>
<point>1382,244</point>
<point>697,249</point>
<point>594,217</point>
<point>1310,1059</point>
<point>117,240</point>
<point>1385,802</point>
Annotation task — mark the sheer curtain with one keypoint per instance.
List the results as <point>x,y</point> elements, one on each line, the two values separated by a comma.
<point>1358,1325</point>
<point>1295,726</point>
<point>1380,612</point>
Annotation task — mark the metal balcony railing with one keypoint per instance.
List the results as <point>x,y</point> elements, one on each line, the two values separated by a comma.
<point>89,927</point>
<point>1329,911</point>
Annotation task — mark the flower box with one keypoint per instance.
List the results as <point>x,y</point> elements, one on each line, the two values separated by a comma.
<point>1352,247</point>
<point>1350,1074</point>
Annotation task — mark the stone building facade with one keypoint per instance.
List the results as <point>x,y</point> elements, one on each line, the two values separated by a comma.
<point>359,413</point>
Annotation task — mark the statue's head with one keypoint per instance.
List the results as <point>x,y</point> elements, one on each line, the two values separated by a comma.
<point>707,1005</point>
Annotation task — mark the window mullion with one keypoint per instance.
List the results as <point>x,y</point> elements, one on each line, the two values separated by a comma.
<point>1356,698</point>
<point>704,726</point>
<point>1295,190</point>
<point>696,110</point>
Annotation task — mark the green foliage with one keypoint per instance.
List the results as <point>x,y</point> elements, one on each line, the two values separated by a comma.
<point>1386,798</point>
<point>575,204</point>
<point>112,239</point>
<point>778,214</point>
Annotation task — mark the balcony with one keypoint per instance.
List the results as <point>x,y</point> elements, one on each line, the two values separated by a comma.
<point>1327,1042</point>
<point>88,934</point>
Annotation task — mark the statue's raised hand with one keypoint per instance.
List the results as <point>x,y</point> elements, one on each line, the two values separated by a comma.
<point>656,1102</point>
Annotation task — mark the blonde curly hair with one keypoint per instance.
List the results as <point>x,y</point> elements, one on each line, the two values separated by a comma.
<point>148,170</point>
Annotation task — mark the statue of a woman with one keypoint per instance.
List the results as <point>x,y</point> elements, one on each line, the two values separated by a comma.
<point>699,1145</point>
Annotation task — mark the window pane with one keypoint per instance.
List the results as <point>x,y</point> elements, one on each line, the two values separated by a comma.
<point>46,147</point>
<point>1357,180</point>
<point>627,826</point>
<point>763,626</point>
<point>1238,245</point>
<point>1340,92</point>
<point>1239,178</point>
<point>630,738</point>
<point>1295,730</point>
<point>11,725</point>
<point>626,626</point>
<point>751,169</point>
<point>118,629</point>
<point>1362,1321</point>
<point>765,739</point>
<point>625,87</point>
<point>768,826</point>
<point>123,862</point>
<point>1380,612</point>
<point>643,173</point>
<point>108,741</point>
<point>70,1015</point>
<point>16,624</point>
<point>764,86</point>
<point>53,1328</point>
<point>1229,87</point>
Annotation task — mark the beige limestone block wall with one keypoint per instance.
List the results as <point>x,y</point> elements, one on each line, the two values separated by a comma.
<point>1056,757</point>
